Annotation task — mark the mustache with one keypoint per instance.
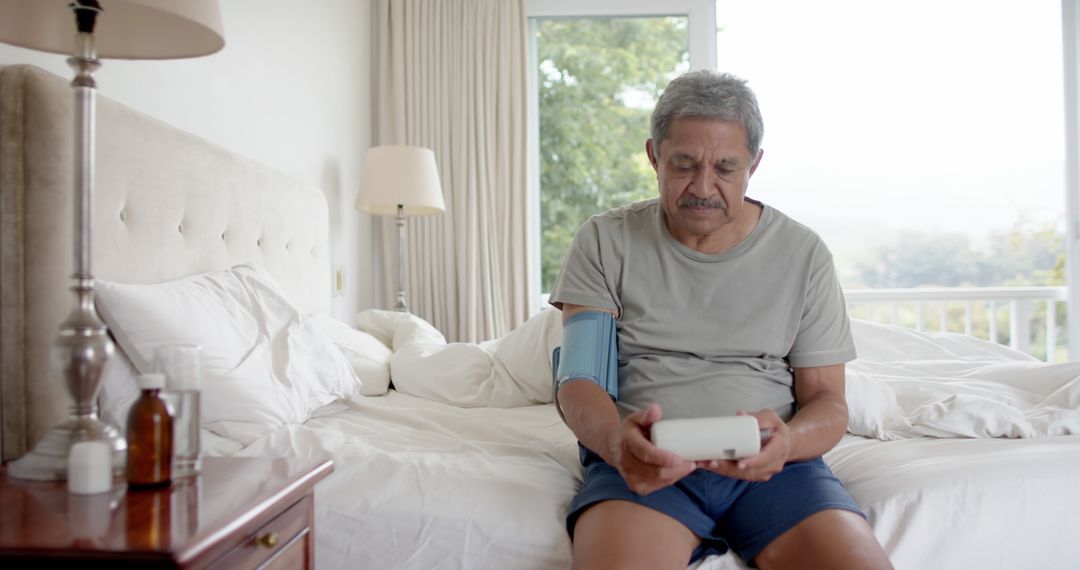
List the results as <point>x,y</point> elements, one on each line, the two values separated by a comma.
<point>695,202</point>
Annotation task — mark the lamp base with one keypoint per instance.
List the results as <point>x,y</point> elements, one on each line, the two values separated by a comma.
<point>48,461</point>
<point>399,220</point>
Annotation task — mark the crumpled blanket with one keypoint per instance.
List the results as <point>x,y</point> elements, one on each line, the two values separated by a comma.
<point>513,370</point>
<point>904,383</point>
<point>909,384</point>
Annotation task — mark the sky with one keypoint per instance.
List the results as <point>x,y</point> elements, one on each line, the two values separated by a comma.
<point>934,115</point>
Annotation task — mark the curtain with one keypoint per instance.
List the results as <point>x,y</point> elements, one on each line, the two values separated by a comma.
<point>451,77</point>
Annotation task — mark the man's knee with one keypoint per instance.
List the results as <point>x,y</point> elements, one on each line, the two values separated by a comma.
<point>834,539</point>
<point>620,534</point>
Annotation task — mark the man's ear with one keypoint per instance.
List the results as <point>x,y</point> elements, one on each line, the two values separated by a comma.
<point>654,154</point>
<point>753,167</point>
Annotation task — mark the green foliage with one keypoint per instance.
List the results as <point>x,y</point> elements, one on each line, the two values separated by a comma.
<point>1029,254</point>
<point>598,80</point>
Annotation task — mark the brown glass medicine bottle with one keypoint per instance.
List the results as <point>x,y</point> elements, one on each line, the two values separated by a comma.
<point>149,435</point>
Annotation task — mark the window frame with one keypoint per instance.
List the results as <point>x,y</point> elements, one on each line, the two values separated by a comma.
<point>701,29</point>
<point>1070,45</point>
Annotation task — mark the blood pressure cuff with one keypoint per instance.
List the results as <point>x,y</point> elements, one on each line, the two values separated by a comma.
<point>589,352</point>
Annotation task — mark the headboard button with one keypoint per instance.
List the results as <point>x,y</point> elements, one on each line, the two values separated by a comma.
<point>180,228</point>
<point>123,215</point>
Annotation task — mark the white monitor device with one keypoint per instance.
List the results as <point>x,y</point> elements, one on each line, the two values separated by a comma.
<point>699,439</point>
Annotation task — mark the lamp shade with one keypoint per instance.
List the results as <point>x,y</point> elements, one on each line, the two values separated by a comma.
<point>405,175</point>
<point>127,29</point>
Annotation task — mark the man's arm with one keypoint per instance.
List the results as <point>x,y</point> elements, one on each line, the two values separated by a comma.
<point>822,418</point>
<point>623,444</point>
<point>819,423</point>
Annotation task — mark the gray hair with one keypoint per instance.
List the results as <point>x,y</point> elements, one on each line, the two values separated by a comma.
<point>711,95</point>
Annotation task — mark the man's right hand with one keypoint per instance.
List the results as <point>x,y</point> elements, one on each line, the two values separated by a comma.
<point>645,467</point>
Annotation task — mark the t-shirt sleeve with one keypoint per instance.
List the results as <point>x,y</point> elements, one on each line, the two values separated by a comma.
<point>824,336</point>
<point>582,279</point>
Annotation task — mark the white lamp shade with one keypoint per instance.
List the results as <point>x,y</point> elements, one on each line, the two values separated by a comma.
<point>125,29</point>
<point>405,175</point>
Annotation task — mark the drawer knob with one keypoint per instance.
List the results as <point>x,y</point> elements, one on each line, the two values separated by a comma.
<point>268,540</point>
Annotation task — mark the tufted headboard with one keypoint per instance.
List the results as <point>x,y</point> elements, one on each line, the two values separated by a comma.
<point>167,205</point>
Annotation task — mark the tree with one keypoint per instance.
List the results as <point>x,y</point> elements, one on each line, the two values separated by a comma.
<point>1028,254</point>
<point>916,259</point>
<point>598,80</point>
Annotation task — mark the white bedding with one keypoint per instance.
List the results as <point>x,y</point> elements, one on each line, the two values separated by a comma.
<point>904,384</point>
<point>467,471</point>
<point>419,484</point>
<point>966,503</point>
<point>908,384</point>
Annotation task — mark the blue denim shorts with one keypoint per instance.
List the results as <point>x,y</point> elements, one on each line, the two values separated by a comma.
<point>744,516</point>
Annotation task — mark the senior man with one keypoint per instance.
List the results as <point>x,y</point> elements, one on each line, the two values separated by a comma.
<point>720,305</point>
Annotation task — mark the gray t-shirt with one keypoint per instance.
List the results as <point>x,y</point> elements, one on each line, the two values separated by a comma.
<point>708,335</point>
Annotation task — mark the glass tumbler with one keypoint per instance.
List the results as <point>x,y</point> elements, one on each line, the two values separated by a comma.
<point>181,366</point>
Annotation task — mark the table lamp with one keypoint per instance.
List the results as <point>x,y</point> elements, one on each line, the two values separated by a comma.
<point>404,181</point>
<point>87,30</point>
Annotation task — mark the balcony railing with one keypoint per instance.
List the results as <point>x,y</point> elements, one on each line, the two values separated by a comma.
<point>977,311</point>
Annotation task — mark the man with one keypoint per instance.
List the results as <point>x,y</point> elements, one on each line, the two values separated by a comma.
<point>721,305</point>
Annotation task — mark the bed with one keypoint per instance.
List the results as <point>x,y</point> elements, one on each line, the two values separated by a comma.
<point>963,454</point>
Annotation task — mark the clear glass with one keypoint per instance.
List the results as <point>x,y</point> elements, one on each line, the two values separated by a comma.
<point>597,81</point>
<point>181,365</point>
<point>923,140</point>
<point>925,144</point>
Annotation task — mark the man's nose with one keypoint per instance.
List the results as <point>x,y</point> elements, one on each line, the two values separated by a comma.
<point>704,183</point>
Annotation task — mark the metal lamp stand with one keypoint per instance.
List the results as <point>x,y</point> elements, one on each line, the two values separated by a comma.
<point>400,221</point>
<point>83,346</point>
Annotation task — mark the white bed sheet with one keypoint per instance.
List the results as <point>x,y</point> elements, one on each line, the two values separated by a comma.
<point>463,466</point>
<point>968,503</point>
<point>422,484</point>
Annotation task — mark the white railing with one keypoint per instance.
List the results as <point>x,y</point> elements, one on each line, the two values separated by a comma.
<point>909,307</point>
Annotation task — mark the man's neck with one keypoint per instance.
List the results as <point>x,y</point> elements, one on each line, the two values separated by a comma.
<point>726,237</point>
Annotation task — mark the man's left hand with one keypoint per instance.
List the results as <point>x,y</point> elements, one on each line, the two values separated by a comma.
<point>774,453</point>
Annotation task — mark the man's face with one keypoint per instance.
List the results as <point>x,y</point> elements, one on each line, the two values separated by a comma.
<point>703,169</point>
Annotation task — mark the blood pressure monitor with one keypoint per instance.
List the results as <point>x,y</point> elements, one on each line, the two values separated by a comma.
<point>699,439</point>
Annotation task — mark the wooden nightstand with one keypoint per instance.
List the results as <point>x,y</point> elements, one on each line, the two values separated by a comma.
<point>239,513</point>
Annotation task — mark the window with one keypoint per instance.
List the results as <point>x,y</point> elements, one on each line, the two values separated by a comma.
<point>597,68</point>
<point>923,140</point>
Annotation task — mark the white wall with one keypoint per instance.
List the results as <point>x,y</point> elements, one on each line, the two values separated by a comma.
<point>291,89</point>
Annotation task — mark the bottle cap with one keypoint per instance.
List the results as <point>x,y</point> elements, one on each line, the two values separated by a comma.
<point>151,381</point>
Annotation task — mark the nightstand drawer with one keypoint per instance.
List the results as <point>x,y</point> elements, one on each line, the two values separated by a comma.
<point>280,543</point>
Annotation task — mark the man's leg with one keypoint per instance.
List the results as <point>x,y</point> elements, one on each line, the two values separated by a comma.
<point>620,534</point>
<point>833,539</point>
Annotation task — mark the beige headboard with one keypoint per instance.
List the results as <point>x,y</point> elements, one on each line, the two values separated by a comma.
<point>167,205</point>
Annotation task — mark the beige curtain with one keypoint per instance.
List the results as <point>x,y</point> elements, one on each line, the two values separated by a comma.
<point>452,79</point>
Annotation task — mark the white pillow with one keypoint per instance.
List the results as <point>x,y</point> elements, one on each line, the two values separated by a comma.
<point>368,356</point>
<point>118,390</point>
<point>263,366</point>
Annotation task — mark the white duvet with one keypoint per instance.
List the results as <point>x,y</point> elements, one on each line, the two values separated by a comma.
<point>458,468</point>
<point>512,371</point>
<point>904,383</point>
<point>907,384</point>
